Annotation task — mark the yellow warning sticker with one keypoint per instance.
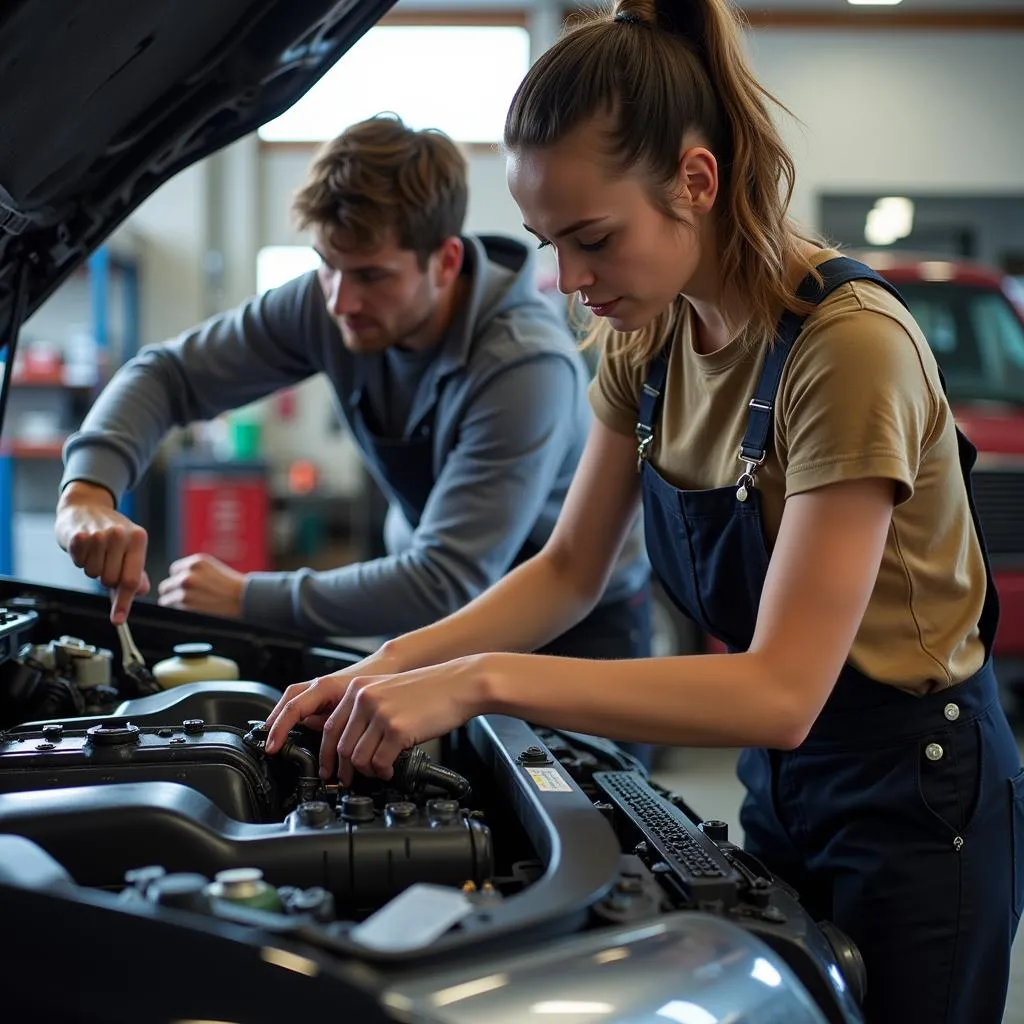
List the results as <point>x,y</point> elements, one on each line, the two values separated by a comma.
<point>548,780</point>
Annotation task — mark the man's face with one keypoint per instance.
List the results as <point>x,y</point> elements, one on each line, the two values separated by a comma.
<point>379,297</point>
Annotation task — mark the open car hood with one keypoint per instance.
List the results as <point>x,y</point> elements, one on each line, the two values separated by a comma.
<point>102,101</point>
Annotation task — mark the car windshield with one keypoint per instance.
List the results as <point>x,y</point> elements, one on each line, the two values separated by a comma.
<point>977,337</point>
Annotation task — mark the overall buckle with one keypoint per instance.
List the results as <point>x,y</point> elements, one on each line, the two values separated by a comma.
<point>746,481</point>
<point>644,440</point>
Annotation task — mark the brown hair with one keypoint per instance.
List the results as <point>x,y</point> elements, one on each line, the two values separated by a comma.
<point>380,176</point>
<point>659,70</point>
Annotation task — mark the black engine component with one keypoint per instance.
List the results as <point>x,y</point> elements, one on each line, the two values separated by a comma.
<point>229,703</point>
<point>29,693</point>
<point>229,767</point>
<point>63,678</point>
<point>416,774</point>
<point>27,689</point>
<point>699,865</point>
<point>214,761</point>
<point>360,855</point>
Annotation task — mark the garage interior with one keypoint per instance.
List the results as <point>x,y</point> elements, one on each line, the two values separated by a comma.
<point>908,137</point>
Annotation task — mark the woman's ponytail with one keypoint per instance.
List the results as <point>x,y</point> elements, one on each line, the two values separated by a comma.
<point>682,63</point>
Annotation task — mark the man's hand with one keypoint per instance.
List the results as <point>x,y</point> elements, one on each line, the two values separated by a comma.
<point>201,583</point>
<point>106,545</point>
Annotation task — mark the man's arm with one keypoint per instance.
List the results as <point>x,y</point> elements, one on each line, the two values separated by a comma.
<point>225,363</point>
<point>480,512</point>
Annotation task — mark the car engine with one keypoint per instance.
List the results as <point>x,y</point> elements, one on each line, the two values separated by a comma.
<point>506,868</point>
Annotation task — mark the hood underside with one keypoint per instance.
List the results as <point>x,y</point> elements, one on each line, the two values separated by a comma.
<point>102,101</point>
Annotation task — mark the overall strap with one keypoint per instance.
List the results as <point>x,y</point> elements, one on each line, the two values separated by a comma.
<point>650,403</point>
<point>834,273</point>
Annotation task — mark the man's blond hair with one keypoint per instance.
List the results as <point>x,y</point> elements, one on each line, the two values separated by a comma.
<point>378,177</point>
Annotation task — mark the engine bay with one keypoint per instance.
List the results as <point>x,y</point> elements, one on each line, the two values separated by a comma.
<point>160,817</point>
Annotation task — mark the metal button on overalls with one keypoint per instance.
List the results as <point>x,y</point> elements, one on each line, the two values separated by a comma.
<point>933,752</point>
<point>951,711</point>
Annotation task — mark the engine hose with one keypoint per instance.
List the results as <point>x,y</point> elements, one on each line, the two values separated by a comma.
<point>301,756</point>
<point>56,698</point>
<point>414,771</point>
<point>309,776</point>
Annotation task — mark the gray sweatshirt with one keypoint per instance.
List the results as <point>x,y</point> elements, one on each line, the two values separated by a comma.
<point>505,397</point>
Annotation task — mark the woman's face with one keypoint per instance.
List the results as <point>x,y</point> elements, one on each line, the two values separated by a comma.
<point>626,258</point>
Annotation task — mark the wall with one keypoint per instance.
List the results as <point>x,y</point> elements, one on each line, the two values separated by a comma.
<point>172,231</point>
<point>927,111</point>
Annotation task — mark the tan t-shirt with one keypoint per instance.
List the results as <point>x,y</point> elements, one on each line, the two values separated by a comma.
<point>859,397</point>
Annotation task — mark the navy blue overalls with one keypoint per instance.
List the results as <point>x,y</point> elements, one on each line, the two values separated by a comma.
<point>901,818</point>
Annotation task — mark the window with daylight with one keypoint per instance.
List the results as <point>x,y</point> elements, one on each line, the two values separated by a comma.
<point>457,78</point>
<point>278,264</point>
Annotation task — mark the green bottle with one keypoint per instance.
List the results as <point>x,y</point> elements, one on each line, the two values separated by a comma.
<point>245,886</point>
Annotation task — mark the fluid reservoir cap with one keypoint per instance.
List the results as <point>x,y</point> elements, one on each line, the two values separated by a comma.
<point>193,650</point>
<point>183,891</point>
<point>315,813</point>
<point>112,735</point>
<point>245,886</point>
<point>442,810</point>
<point>53,732</point>
<point>715,829</point>
<point>356,808</point>
<point>74,647</point>
<point>399,811</point>
<point>239,883</point>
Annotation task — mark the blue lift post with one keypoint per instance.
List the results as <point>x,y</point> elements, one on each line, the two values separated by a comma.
<point>101,266</point>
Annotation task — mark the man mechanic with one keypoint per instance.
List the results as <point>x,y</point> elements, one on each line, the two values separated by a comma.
<point>459,381</point>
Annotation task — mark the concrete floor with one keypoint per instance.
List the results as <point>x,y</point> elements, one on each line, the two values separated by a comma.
<point>707,779</point>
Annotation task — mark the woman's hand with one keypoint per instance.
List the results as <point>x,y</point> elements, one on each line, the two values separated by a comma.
<point>368,720</point>
<point>311,702</point>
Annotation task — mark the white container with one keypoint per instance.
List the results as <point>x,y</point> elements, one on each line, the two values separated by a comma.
<point>193,663</point>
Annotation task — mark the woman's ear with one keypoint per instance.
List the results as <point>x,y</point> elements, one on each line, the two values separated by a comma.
<point>698,179</point>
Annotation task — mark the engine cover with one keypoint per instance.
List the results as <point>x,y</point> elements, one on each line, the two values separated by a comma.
<point>215,761</point>
<point>362,856</point>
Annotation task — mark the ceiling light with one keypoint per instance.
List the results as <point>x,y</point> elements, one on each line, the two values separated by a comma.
<point>873,3</point>
<point>891,218</point>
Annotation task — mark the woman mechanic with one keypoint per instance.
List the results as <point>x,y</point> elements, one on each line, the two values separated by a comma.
<point>838,555</point>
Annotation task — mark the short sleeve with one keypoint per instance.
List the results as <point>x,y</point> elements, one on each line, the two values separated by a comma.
<point>615,390</point>
<point>856,402</point>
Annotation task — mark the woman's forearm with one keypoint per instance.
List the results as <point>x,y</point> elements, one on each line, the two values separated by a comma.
<point>533,604</point>
<point>675,701</point>
<point>551,592</point>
